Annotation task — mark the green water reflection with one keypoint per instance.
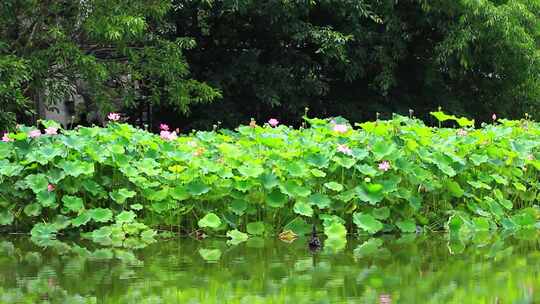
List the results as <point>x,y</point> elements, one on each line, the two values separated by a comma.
<point>410,269</point>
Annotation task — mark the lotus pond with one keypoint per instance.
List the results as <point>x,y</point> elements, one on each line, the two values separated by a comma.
<point>119,185</point>
<point>484,268</point>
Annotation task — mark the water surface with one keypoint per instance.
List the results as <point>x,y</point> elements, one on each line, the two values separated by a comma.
<point>409,269</point>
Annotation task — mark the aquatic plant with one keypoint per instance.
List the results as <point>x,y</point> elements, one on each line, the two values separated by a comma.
<point>118,182</point>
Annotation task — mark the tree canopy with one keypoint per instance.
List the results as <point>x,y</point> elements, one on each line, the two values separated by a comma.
<point>196,62</point>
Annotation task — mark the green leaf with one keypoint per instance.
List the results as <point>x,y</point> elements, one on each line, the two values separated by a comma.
<point>383,149</point>
<point>238,206</point>
<point>381,213</point>
<point>365,196</point>
<point>37,182</point>
<point>318,160</point>
<point>478,185</point>
<point>101,215</point>
<point>454,189</point>
<point>276,199</point>
<point>322,201</point>
<point>125,217</point>
<point>367,170</point>
<point>269,180</point>
<point>367,222</point>
<point>10,169</point>
<point>44,231</point>
<point>481,224</point>
<point>296,169</point>
<point>293,189</point>
<point>32,209</point>
<point>236,237</point>
<point>82,219</point>
<point>336,230</point>
<point>76,168</point>
<point>250,170</point>
<point>180,193</point>
<point>121,195</point>
<point>406,226</point>
<point>210,220</point>
<point>298,226</point>
<point>6,218</point>
<point>373,188</point>
<point>303,208</point>
<point>478,159</point>
<point>210,255</point>
<point>334,186</point>
<point>317,173</point>
<point>73,203</point>
<point>197,188</point>
<point>255,228</point>
<point>46,198</point>
<point>345,162</point>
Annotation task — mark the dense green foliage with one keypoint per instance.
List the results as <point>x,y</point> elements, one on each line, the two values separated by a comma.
<point>395,175</point>
<point>112,53</point>
<point>406,270</point>
<point>349,58</point>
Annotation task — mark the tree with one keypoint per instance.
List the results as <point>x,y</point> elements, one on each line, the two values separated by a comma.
<point>355,58</point>
<point>112,52</point>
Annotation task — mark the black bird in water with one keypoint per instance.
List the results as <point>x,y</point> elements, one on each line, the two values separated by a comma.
<point>314,242</point>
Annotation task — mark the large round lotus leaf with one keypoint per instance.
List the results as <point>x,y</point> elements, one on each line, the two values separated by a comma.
<point>82,219</point>
<point>73,203</point>
<point>276,199</point>
<point>298,226</point>
<point>210,220</point>
<point>256,228</point>
<point>46,198</point>
<point>367,222</point>
<point>125,217</point>
<point>303,208</point>
<point>336,230</point>
<point>197,188</point>
<point>236,237</point>
<point>32,209</point>
<point>121,195</point>
<point>320,200</point>
<point>101,215</point>
<point>407,226</point>
<point>250,170</point>
<point>37,182</point>
<point>334,186</point>
<point>238,206</point>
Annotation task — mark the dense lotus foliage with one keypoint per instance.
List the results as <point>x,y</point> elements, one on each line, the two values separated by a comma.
<point>119,184</point>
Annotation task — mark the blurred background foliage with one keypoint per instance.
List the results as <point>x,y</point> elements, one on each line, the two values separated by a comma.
<point>192,63</point>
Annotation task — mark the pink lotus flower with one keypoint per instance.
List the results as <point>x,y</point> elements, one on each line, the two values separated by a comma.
<point>462,132</point>
<point>344,149</point>
<point>34,133</point>
<point>494,116</point>
<point>166,135</point>
<point>530,157</point>
<point>273,122</point>
<point>164,127</point>
<point>51,131</point>
<point>113,116</point>
<point>340,128</point>
<point>5,138</point>
<point>384,166</point>
<point>50,187</point>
